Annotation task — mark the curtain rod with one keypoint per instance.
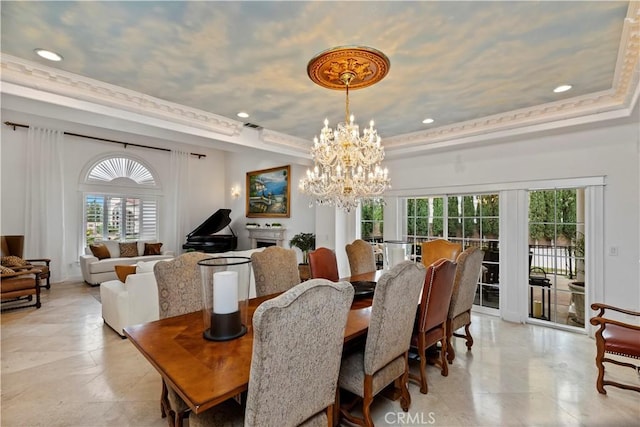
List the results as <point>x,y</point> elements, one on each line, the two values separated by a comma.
<point>18,125</point>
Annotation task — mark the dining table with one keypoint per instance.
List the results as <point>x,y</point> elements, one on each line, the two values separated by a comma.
<point>206,373</point>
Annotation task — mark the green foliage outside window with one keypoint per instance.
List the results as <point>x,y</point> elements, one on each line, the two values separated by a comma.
<point>371,220</point>
<point>545,220</point>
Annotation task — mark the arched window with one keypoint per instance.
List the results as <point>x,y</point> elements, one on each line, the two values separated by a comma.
<point>120,200</point>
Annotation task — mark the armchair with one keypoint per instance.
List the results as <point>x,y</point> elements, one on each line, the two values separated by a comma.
<point>617,338</point>
<point>20,285</point>
<point>14,246</point>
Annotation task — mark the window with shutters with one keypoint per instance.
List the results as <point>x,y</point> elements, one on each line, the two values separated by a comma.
<point>124,206</point>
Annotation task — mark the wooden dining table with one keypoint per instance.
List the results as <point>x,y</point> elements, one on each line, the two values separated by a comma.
<point>206,373</point>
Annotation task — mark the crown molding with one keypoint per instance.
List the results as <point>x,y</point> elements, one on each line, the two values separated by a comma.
<point>622,96</point>
<point>42,78</point>
<point>284,140</point>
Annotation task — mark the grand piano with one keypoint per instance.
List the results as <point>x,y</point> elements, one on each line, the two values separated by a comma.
<point>204,239</point>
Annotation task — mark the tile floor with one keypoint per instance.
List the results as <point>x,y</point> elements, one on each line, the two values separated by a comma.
<point>61,366</point>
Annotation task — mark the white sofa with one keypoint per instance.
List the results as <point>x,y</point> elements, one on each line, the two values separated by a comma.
<point>96,271</point>
<point>136,300</point>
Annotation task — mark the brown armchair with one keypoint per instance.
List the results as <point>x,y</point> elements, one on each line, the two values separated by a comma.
<point>14,246</point>
<point>617,338</point>
<point>18,286</point>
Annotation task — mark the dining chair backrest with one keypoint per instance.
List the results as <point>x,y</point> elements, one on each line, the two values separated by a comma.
<point>179,284</point>
<point>465,283</point>
<point>361,257</point>
<point>297,349</point>
<point>275,270</point>
<point>393,313</point>
<point>434,250</point>
<point>436,295</point>
<point>323,264</point>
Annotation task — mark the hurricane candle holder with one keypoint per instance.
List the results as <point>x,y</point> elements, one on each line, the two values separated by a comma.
<point>395,251</point>
<point>225,293</point>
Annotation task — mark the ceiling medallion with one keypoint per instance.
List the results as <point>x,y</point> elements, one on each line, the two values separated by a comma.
<point>347,166</point>
<point>367,66</point>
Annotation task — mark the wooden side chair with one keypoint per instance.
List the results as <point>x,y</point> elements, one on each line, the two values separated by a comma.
<point>430,326</point>
<point>275,270</point>
<point>433,250</point>
<point>285,388</point>
<point>323,264</point>
<point>361,257</point>
<point>385,357</point>
<point>617,338</point>
<point>465,284</point>
<point>179,292</point>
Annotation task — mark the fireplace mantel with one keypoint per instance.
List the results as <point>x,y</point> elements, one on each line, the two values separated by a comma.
<point>266,235</point>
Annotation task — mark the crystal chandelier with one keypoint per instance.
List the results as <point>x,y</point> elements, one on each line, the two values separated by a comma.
<point>347,165</point>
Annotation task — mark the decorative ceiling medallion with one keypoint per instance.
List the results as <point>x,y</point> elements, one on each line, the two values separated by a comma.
<point>364,65</point>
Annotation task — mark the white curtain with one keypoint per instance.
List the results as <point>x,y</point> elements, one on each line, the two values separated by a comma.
<point>44,201</point>
<point>178,201</point>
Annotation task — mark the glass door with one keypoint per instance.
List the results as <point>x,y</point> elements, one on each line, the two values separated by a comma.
<point>556,256</point>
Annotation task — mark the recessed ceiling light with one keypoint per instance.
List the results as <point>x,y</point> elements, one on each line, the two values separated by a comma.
<point>243,115</point>
<point>562,88</point>
<point>428,121</point>
<point>47,54</point>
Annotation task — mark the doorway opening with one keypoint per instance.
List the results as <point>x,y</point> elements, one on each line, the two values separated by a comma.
<point>557,256</point>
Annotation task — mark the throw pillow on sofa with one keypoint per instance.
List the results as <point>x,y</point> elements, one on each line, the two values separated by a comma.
<point>122,271</point>
<point>128,250</point>
<point>100,251</point>
<point>152,248</point>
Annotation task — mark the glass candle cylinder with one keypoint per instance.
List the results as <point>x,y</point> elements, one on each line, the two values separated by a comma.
<point>225,294</point>
<point>395,251</point>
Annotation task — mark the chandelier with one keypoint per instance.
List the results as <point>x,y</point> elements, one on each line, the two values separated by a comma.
<point>347,165</point>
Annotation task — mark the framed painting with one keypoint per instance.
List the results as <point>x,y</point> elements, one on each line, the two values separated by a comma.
<point>269,193</point>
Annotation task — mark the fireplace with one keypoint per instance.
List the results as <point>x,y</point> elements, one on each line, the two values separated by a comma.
<point>263,237</point>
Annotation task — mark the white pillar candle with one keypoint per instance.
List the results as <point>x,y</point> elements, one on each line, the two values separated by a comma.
<point>397,256</point>
<point>225,292</point>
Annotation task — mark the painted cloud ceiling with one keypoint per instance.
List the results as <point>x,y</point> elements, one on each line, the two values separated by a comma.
<point>451,61</point>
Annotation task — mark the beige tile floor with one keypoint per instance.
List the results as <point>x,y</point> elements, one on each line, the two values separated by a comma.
<point>61,366</point>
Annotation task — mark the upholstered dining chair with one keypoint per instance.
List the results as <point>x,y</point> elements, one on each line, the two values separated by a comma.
<point>13,246</point>
<point>361,257</point>
<point>617,338</point>
<point>430,326</point>
<point>292,387</point>
<point>465,283</point>
<point>275,270</point>
<point>433,250</point>
<point>179,292</point>
<point>323,264</point>
<point>385,357</point>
